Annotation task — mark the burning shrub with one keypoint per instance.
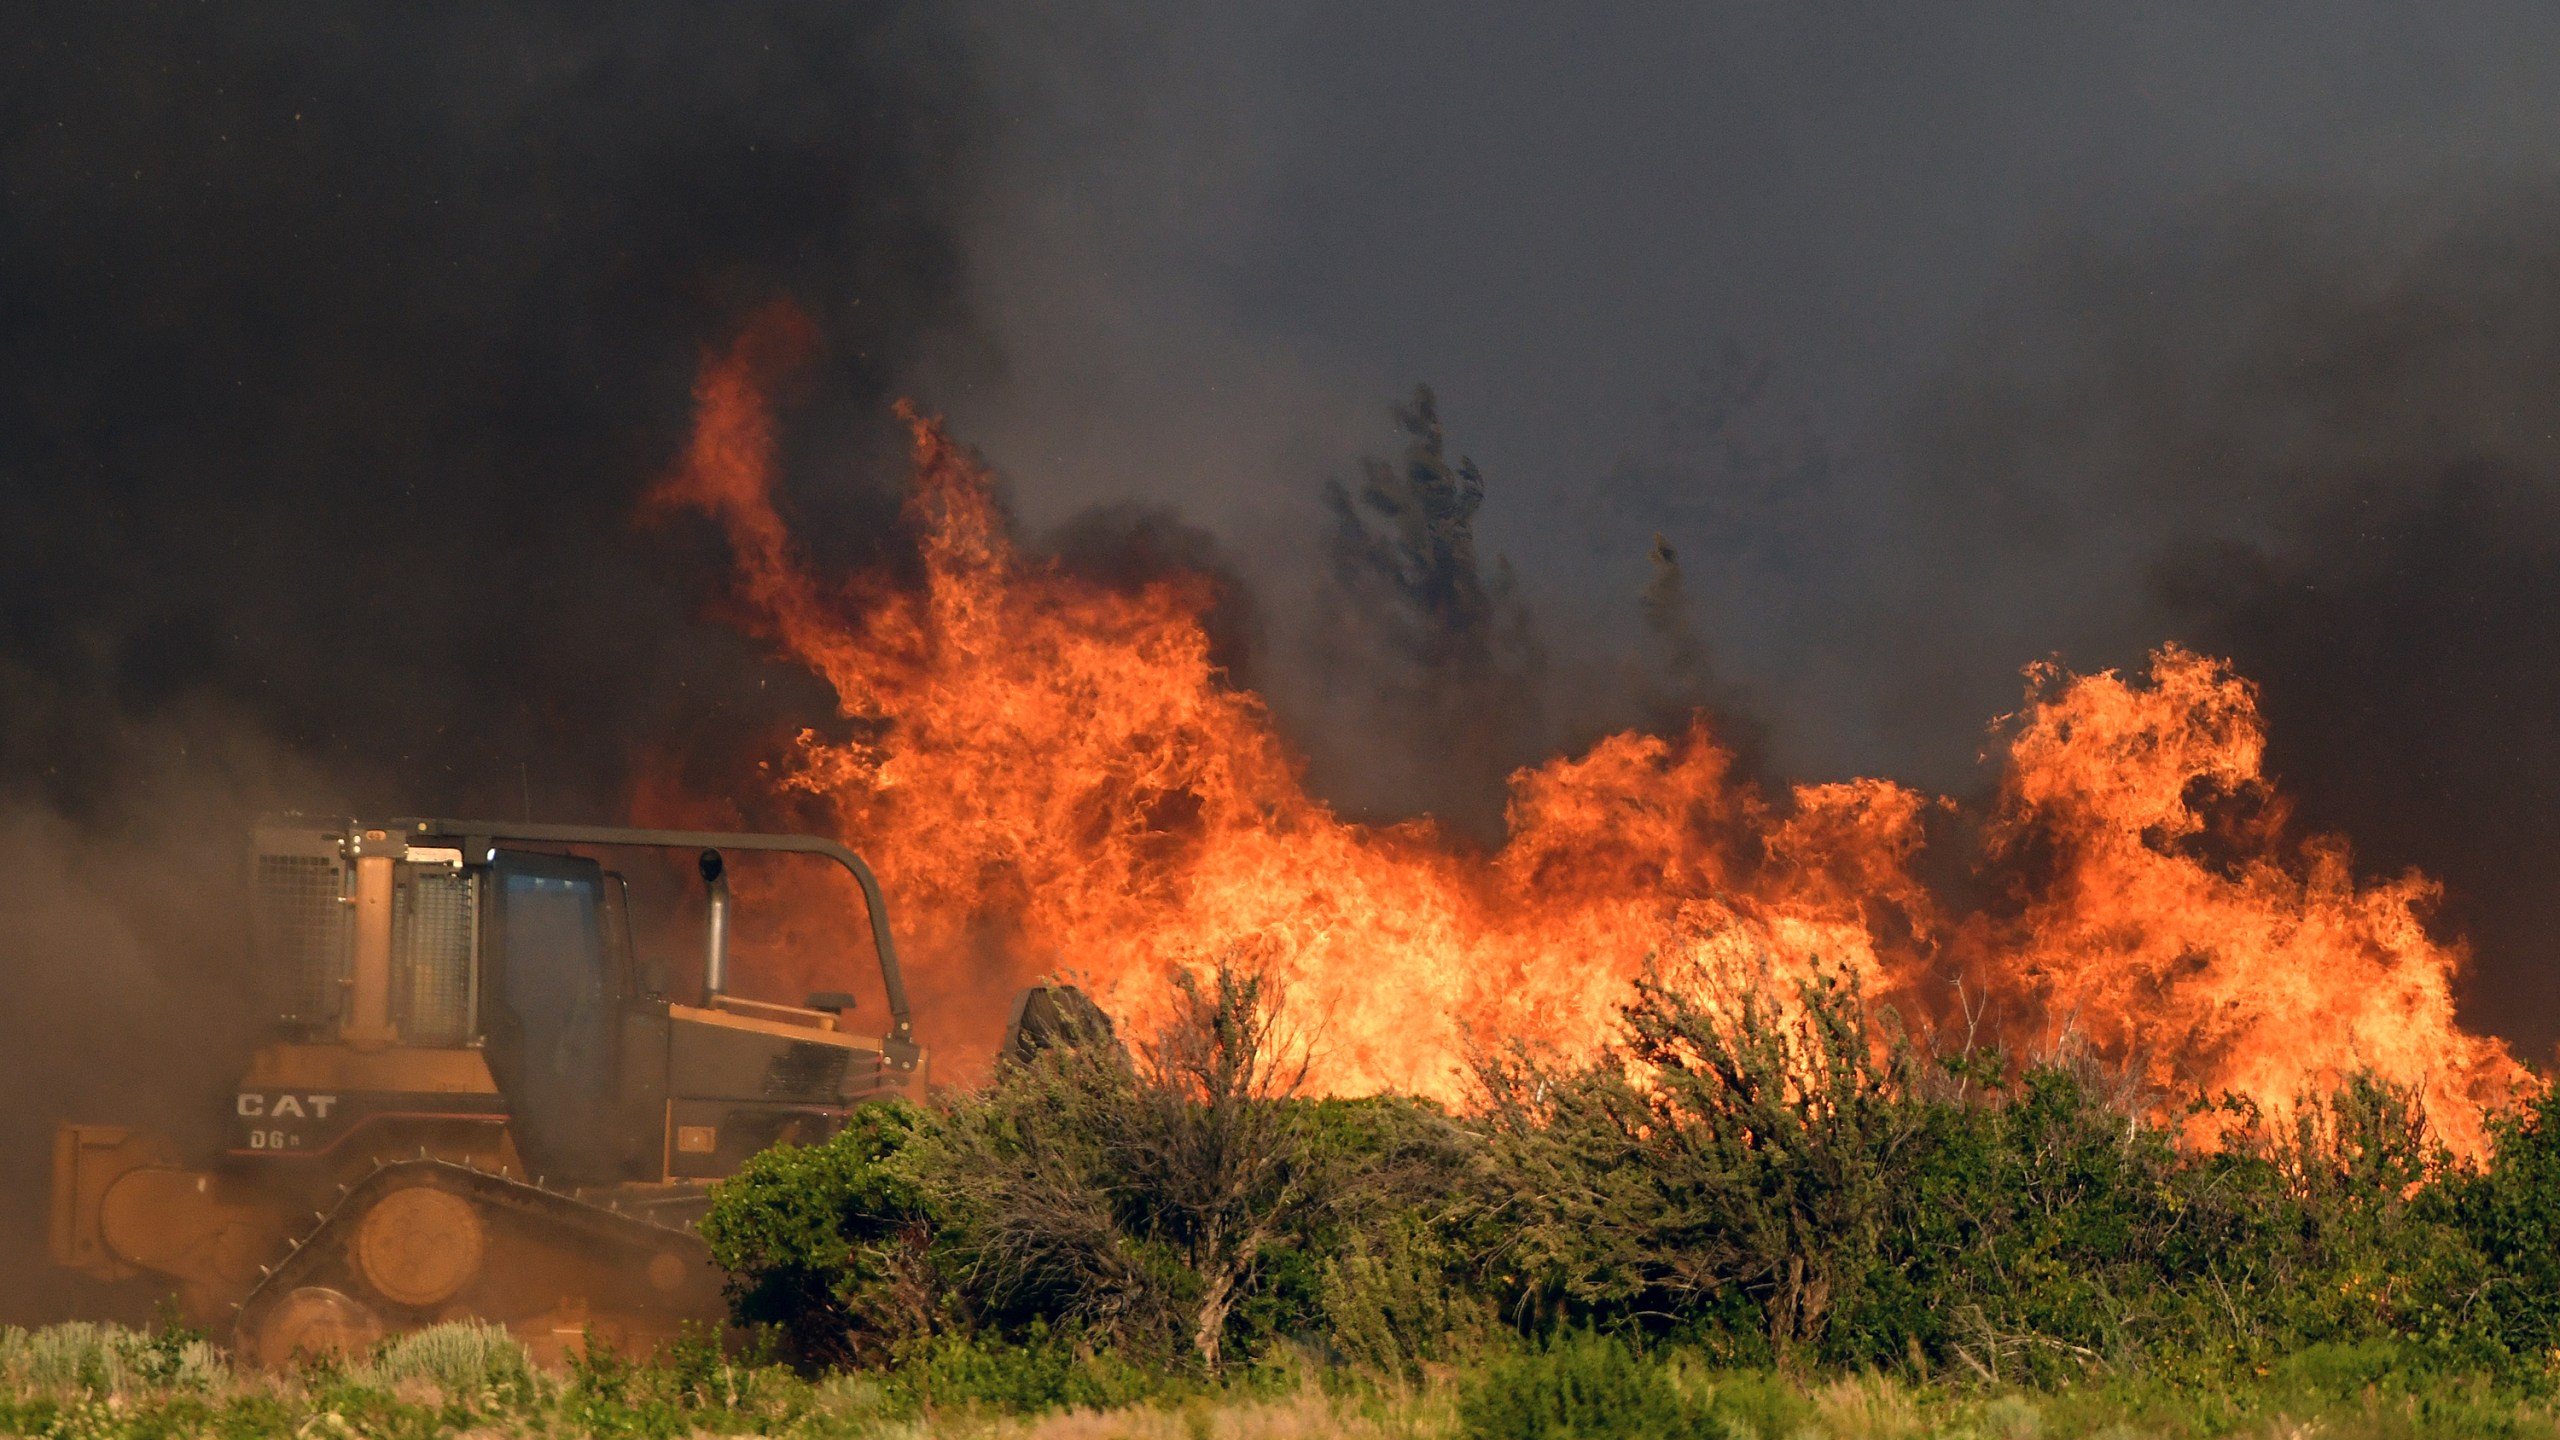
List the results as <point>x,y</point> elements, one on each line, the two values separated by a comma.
<point>1170,1202</point>
<point>1772,1175</point>
<point>1730,1151</point>
<point>1166,1199</point>
<point>1794,1180</point>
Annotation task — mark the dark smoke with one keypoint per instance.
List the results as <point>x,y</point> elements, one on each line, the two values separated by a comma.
<point>2324,442</point>
<point>335,354</point>
<point>336,347</point>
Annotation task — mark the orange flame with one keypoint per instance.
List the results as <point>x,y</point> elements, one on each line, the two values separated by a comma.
<point>1052,777</point>
<point>2176,927</point>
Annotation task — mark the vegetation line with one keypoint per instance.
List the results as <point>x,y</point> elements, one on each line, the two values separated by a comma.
<point>1766,1213</point>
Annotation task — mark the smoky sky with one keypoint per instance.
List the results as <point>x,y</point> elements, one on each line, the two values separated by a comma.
<point>1231,239</point>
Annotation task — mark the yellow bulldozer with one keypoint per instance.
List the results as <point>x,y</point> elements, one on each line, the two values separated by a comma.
<point>475,1104</point>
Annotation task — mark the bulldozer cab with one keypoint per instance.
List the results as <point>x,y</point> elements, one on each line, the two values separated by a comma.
<point>553,989</point>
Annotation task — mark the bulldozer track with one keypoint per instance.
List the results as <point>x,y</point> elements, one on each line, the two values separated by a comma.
<point>424,1240</point>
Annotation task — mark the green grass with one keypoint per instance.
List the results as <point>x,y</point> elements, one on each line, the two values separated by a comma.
<point>103,1381</point>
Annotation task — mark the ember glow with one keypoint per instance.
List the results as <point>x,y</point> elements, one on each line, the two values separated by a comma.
<point>1052,777</point>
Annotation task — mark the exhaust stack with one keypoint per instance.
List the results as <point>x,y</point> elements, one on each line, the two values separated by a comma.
<point>715,940</point>
<point>368,1014</point>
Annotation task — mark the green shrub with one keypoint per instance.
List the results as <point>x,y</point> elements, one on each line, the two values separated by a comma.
<point>469,1360</point>
<point>1031,1373</point>
<point>833,1246</point>
<point>2511,1212</point>
<point>1580,1386</point>
<point>1395,1298</point>
<point>99,1359</point>
<point>1753,1405</point>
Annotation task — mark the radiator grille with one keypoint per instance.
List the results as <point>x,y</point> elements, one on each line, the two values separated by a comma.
<point>302,932</point>
<point>431,949</point>
<point>806,1072</point>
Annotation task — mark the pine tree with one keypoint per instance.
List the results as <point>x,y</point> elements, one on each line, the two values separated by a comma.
<point>1413,597</point>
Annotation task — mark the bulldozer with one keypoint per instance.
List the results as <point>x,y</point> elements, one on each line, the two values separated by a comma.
<point>475,1103</point>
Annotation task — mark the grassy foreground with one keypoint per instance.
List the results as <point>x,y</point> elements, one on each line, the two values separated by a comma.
<point>82,1380</point>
